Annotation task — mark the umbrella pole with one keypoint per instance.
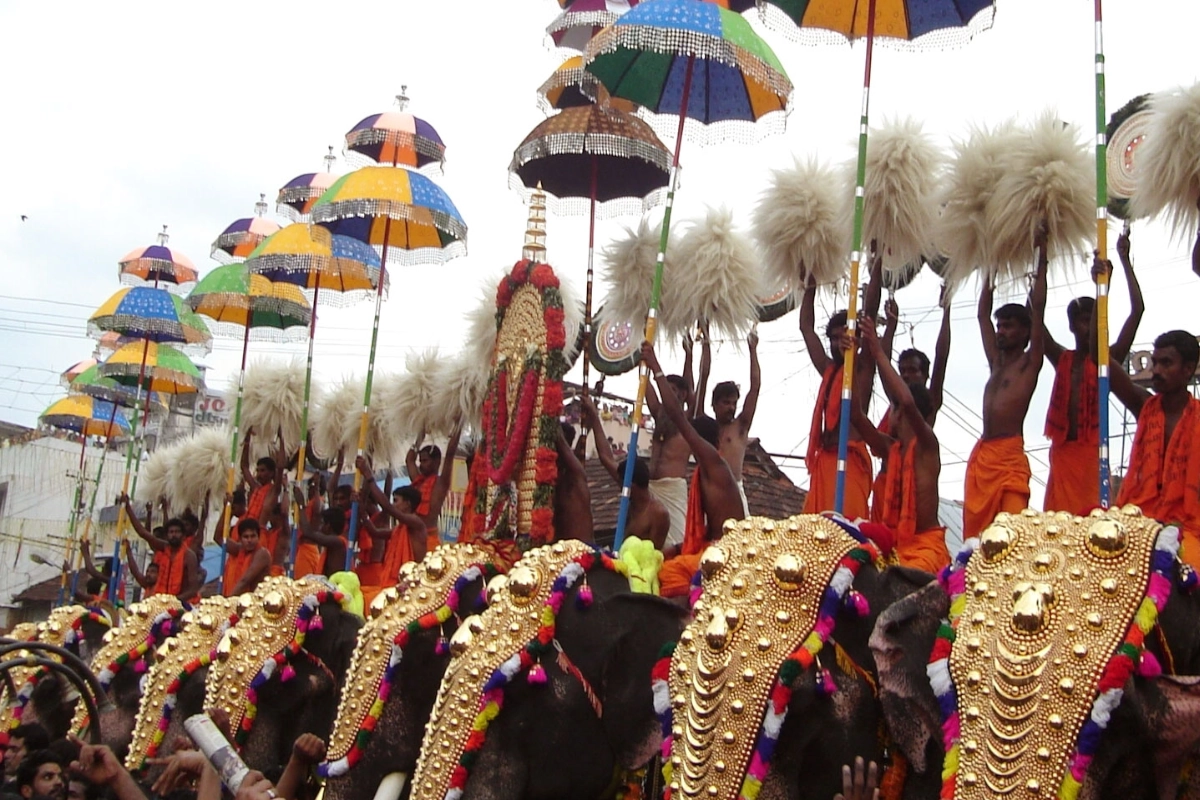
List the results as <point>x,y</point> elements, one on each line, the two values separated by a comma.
<point>302,454</point>
<point>652,315</point>
<point>121,519</point>
<point>591,260</point>
<point>362,425</point>
<point>87,523</point>
<point>1102,283</point>
<point>839,501</point>
<point>233,454</point>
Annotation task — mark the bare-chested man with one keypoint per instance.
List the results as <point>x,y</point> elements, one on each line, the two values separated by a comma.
<point>734,428</point>
<point>572,498</point>
<point>1072,421</point>
<point>648,518</point>
<point>822,455</point>
<point>669,454</point>
<point>910,478</point>
<point>719,497</point>
<point>998,470</point>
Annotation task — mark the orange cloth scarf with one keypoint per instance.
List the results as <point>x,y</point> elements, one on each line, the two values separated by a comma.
<point>397,553</point>
<point>997,480</point>
<point>1087,426</point>
<point>898,506</point>
<point>170,570</point>
<point>828,412</point>
<point>258,499</point>
<point>1164,477</point>
<point>695,528</point>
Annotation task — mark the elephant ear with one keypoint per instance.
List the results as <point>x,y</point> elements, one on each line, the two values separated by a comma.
<point>901,643</point>
<point>1173,718</point>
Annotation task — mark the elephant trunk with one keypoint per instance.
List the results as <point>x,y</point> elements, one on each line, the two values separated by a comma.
<point>391,786</point>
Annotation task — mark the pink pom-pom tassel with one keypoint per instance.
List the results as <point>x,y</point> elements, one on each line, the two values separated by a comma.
<point>139,666</point>
<point>536,676</point>
<point>316,623</point>
<point>1149,667</point>
<point>287,674</point>
<point>857,603</point>
<point>584,598</point>
<point>825,684</point>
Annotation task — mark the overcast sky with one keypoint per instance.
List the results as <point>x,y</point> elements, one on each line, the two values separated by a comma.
<point>120,118</point>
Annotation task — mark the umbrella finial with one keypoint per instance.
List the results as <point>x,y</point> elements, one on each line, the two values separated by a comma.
<point>329,159</point>
<point>260,208</point>
<point>163,238</point>
<point>402,98</point>
<point>535,229</point>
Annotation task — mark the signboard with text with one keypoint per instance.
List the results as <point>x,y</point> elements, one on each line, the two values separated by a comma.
<point>215,408</point>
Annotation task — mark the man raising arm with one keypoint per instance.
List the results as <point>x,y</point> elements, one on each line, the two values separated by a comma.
<point>734,428</point>
<point>998,471</point>
<point>648,517</point>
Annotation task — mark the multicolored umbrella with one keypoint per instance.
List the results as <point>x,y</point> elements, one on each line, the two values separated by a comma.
<point>243,235</point>
<point>240,302</point>
<point>144,312</point>
<point>337,270</point>
<point>565,88</point>
<point>396,138</point>
<point>75,370</point>
<point>157,265</point>
<point>110,341</point>
<point>937,21</point>
<point>296,197</point>
<point>594,160</point>
<point>91,382</point>
<point>165,370</point>
<point>87,416</point>
<point>403,213</point>
<point>583,19</point>
<point>693,60</point>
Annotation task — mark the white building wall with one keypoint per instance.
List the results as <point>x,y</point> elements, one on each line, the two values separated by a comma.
<point>38,479</point>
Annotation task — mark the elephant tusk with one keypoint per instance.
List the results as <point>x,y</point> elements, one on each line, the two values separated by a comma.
<point>391,786</point>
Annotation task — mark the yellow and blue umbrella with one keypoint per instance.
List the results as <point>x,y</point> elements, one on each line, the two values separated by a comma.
<point>157,265</point>
<point>85,415</point>
<point>155,367</point>
<point>696,61</point>
<point>91,382</point>
<point>337,270</point>
<point>144,312</point>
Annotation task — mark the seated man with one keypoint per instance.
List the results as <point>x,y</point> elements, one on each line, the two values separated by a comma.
<point>330,534</point>
<point>254,562</point>
<point>713,496</point>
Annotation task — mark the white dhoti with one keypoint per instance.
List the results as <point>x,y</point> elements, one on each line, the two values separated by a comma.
<point>672,493</point>
<point>742,494</point>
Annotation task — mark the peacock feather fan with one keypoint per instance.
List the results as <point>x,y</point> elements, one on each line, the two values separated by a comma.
<point>718,275</point>
<point>801,227</point>
<point>1050,178</point>
<point>1167,179</point>
<point>962,231</point>
<point>900,202</point>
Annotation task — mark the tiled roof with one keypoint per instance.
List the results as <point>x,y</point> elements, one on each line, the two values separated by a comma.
<point>768,491</point>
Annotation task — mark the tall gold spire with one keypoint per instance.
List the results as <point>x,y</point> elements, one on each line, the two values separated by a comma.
<point>535,229</point>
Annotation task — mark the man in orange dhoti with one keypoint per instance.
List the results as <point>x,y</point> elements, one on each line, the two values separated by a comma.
<point>998,472</point>
<point>432,478</point>
<point>388,551</point>
<point>1163,478</point>
<point>909,505</point>
<point>1073,483</point>
<point>821,460</point>
<point>713,496</point>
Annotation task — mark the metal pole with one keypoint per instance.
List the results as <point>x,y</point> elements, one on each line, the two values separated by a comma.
<point>1102,284</point>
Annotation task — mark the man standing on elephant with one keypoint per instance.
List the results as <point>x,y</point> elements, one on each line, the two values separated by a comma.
<point>912,466</point>
<point>1072,421</point>
<point>669,453</point>
<point>713,496</point>
<point>1163,477</point>
<point>998,469</point>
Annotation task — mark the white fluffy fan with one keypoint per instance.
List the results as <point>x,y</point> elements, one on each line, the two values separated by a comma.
<point>481,325</point>
<point>573,313</point>
<point>629,263</point>
<point>962,233</point>
<point>199,470</point>
<point>273,400</point>
<point>900,204</point>
<point>1168,162</point>
<point>458,393</point>
<point>718,276</point>
<point>801,226</point>
<point>335,421</point>
<point>1050,177</point>
<point>154,478</point>
<point>405,403</point>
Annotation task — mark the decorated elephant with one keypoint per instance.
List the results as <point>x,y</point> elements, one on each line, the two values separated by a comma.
<point>772,686</point>
<point>1028,660</point>
<point>119,665</point>
<point>396,669</point>
<point>548,692</point>
<point>43,695</point>
<point>279,670</point>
